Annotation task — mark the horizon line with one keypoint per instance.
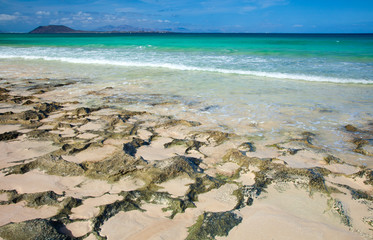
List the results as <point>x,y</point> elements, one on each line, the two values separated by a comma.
<point>172,32</point>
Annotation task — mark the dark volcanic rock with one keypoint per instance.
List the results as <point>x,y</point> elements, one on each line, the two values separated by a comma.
<point>3,90</point>
<point>36,199</point>
<point>31,115</point>
<point>211,224</point>
<point>170,168</point>
<point>51,165</point>
<point>131,147</point>
<point>351,128</point>
<point>47,107</point>
<point>9,135</point>
<point>40,229</point>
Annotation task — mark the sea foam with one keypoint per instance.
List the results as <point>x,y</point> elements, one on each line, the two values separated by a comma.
<point>181,67</point>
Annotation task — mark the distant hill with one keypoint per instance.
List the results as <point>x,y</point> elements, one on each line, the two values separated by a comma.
<point>55,29</point>
<point>105,29</point>
<point>122,28</point>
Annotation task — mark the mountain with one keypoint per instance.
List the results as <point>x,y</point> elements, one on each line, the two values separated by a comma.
<point>55,29</point>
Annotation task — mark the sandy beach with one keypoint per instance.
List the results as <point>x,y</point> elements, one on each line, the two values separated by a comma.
<point>73,171</point>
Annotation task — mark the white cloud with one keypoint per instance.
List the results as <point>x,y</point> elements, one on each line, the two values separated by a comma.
<point>7,17</point>
<point>163,21</point>
<point>62,21</point>
<point>297,25</point>
<point>73,18</point>
<point>43,13</point>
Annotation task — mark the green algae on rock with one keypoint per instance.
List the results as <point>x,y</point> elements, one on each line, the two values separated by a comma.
<point>33,199</point>
<point>212,137</point>
<point>123,130</point>
<point>202,185</point>
<point>189,144</point>
<point>330,159</point>
<point>212,224</point>
<point>33,229</point>
<point>54,165</point>
<point>112,168</point>
<point>340,209</point>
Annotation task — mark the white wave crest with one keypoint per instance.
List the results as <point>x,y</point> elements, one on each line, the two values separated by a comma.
<point>181,67</point>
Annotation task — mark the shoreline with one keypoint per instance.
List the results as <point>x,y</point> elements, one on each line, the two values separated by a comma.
<point>82,171</point>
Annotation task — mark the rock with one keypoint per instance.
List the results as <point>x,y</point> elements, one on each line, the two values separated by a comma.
<point>307,138</point>
<point>292,151</point>
<point>189,144</point>
<point>3,90</point>
<point>317,181</point>
<point>368,174</point>
<point>247,146</point>
<point>19,99</point>
<point>131,147</point>
<point>351,128</point>
<point>330,159</point>
<point>214,137</point>
<point>109,210</point>
<point>81,112</point>
<point>43,135</point>
<point>9,135</point>
<point>236,156</point>
<point>202,185</point>
<point>47,107</point>
<point>40,229</point>
<point>173,122</point>
<point>36,199</point>
<point>51,164</point>
<point>212,224</point>
<point>66,205</point>
<point>77,147</point>
<point>4,97</point>
<point>341,211</point>
<point>31,115</point>
<point>28,102</point>
<point>170,168</point>
<point>112,168</point>
<point>360,143</point>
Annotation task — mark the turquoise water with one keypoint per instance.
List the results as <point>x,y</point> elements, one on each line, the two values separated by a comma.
<point>267,85</point>
<point>330,58</point>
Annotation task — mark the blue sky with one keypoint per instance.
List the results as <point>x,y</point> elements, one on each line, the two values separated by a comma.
<point>293,16</point>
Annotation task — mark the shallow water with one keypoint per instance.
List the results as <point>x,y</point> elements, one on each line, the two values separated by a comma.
<point>264,86</point>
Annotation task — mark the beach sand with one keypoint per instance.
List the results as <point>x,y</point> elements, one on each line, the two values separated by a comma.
<point>68,169</point>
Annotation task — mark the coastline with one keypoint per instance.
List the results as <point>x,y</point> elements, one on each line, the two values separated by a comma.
<point>82,171</point>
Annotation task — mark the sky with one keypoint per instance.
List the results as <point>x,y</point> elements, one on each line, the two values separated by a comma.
<point>252,16</point>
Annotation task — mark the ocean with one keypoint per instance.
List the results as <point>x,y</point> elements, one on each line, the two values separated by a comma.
<point>264,85</point>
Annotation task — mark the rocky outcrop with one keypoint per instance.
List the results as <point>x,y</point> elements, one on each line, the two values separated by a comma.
<point>9,135</point>
<point>198,155</point>
<point>42,229</point>
<point>212,224</point>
